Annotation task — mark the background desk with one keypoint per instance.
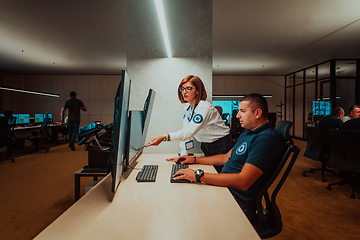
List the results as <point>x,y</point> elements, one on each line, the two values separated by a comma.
<point>53,127</point>
<point>158,210</point>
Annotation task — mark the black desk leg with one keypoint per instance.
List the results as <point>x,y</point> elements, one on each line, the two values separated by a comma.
<point>77,187</point>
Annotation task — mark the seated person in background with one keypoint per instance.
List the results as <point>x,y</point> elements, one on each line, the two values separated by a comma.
<point>250,164</point>
<point>352,124</point>
<point>354,113</point>
<point>334,121</point>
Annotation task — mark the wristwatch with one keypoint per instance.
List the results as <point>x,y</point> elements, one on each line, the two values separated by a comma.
<point>198,174</point>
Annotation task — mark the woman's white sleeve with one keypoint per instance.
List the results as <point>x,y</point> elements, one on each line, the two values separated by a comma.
<point>200,118</point>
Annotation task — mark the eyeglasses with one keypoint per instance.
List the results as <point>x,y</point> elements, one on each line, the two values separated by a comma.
<point>187,89</point>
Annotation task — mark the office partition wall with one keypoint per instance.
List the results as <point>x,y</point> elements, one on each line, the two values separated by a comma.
<point>311,93</point>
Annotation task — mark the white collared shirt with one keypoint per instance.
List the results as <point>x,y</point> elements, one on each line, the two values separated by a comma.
<point>202,123</point>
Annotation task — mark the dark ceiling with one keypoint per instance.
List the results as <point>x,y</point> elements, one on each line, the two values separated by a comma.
<point>257,37</point>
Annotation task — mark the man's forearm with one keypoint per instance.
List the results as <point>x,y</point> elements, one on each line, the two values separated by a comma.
<point>218,160</point>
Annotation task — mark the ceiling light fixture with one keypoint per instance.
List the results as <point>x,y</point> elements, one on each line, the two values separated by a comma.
<point>236,96</point>
<point>161,15</point>
<point>30,91</point>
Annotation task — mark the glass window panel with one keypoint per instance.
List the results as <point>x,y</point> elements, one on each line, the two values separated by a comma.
<point>345,93</point>
<point>324,70</point>
<point>345,68</point>
<point>299,124</point>
<point>289,80</point>
<point>310,118</point>
<point>299,77</point>
<point>289,104</point>
<point>310,74</point>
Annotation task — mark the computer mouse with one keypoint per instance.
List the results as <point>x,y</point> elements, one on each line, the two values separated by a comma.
<point>180,160</point>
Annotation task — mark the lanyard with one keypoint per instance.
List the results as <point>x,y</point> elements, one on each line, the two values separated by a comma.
<point>192,114</point>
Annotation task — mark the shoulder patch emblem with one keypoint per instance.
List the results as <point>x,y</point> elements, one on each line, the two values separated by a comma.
<point>198,119</point>
<point>241,149</point>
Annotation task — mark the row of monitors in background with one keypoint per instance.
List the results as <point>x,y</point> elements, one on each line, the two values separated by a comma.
<point>24,118</point>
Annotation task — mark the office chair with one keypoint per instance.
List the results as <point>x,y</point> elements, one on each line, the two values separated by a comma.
<point>345,156</point>
<point>269,218</point>
<point>315,150</point>
<point>6,138</point>
<point>38,135</point>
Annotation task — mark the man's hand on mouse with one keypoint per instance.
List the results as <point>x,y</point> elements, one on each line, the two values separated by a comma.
<point>183,159</point>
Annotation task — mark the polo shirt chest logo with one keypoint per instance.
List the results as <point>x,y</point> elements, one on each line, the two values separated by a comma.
<point>198,119</point>
<point>241,149</point>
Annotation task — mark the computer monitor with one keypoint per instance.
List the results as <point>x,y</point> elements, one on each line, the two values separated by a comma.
<point>134,136</point>
<point>138,124</point>
<point>15,121</point>
<point>39,117</point>
<point>49,115</point>
<point>23,119</point>
<point>321,108</point>
<point>118,138</point>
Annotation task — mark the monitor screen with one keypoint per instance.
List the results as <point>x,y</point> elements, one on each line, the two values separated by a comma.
<point>138,125</point>
<point>15,121</point>
<point>227,105</point>
<point>23,119</point>
<point>134,136</point>
<point>49,115</point>
<point>148,105</point>
<point>321,108</point>
<point>39,117</point>
<point>118,138</point>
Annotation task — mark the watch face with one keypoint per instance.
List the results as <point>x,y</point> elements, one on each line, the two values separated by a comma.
<point>198,174</point>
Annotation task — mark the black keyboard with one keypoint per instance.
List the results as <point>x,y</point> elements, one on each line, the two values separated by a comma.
<point>174,169</point>
<point>147,173</point>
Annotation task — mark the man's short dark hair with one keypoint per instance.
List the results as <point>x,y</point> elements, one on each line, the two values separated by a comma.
<point>257,101</point>
<point>72,94</point>
<point>337,111</point>
<point>353,107</point>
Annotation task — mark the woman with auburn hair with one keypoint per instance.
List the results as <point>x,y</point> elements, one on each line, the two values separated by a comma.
<point>201,121</point>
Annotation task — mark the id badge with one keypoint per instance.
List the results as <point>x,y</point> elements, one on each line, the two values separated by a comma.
<point>189,144</point>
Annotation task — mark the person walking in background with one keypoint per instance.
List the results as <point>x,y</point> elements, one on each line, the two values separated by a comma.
<point>74,106</point>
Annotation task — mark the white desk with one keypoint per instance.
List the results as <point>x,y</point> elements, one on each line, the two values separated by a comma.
<point>155,210</point>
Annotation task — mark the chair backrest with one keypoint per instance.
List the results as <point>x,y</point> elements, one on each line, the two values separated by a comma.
<point>344,152</point>
<point>314,143</point>
<point>270,221</point>
<point>45,123</point>
<point>283,128</point>
<point>44,126</point>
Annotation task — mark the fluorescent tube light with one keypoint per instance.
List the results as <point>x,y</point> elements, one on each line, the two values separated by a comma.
<point>236,96</point>
<point>228,96</point>
<point>161,15</point>
<point>29,91</point>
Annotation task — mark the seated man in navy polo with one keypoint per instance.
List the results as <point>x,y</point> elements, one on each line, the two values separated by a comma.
<point>251,162</point>
<point>334,121</point>
<point>352,124</point>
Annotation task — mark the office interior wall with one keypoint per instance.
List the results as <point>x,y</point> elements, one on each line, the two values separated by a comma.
<point>148,67</point>
<point>96,91</point>
<point>242,85</point>
<point>167,111</point>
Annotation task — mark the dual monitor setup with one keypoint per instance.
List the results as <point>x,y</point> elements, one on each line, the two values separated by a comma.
<point>129,130</point>
<point>25,118</point>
